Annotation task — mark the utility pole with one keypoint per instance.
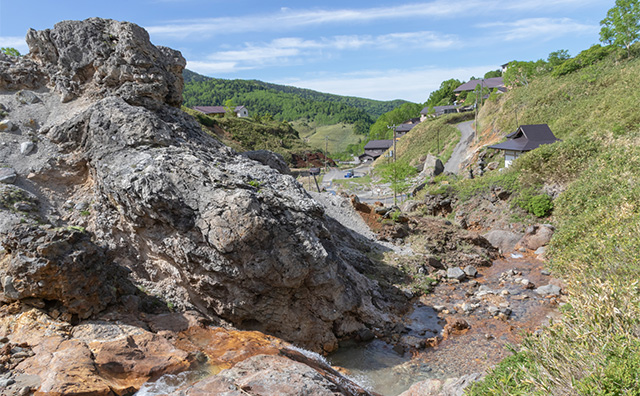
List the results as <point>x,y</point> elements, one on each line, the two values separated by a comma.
<point>395,168</point>
<point>475,134</point>
<point>326,145</point>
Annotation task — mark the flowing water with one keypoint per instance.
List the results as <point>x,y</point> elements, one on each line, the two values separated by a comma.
<point>378,366</point>
<point>381,368</point>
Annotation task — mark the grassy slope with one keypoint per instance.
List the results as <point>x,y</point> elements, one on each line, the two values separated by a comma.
<point>595,348</point>
<point>423,140</point>
<point>244,134</point>
<point>339,135</point>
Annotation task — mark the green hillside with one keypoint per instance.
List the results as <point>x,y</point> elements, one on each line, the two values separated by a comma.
<point>284,102</point>
<point>594,349</point>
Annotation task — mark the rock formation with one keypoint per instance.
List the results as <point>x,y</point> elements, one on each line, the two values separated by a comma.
<point>124,204</point>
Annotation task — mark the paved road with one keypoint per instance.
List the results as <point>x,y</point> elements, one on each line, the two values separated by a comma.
<point>461,150</point>
<point>335,173</point>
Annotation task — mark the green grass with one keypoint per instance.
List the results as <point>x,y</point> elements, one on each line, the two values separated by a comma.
<point>594,348</point>
<point>338,136</point>
<point>429,136</point>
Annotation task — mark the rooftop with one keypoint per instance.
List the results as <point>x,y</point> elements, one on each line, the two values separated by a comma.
<point>527,138</point>
<point>493,82</point>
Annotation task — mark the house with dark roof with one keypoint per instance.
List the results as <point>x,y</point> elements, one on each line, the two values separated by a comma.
<point>402,129</point>
<point>240,111</point>
<point>374,149</point>
<point>525,138</point>
<point>438,111</point>
<point>491,83</point>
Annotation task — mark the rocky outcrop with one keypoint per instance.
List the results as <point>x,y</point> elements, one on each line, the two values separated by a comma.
<point>101,58</point>
<point>270,159</point>
<point>193,222</point>
<point>59,266</point>
<point>20,73</point>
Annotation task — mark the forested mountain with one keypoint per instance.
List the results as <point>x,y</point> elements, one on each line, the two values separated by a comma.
<point>285,103</point>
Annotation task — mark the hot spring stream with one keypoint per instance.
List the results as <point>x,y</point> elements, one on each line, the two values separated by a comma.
<point>380,368</point>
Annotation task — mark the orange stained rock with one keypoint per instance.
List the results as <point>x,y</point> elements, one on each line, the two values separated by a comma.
<point>225,348</point>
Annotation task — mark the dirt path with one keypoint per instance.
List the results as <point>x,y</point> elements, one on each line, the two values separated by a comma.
<point>461,150</point>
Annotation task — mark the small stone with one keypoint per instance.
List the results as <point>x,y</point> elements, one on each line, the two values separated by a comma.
<point>8,175</point>
<point>455,273</point>
<point>439,308</point>
<point>27,97</point>
<point>6,126</point>
<point>545,272</point>
<point>484,290</point>
<point>23,206</point>
<point>489,337</point>
<point>81,206</point>
<point>528,284</point>
<point>471,271</point>
<point>493,310</point>
<point>365,335</point>
<point>548,290</point>
<point>505,292</point>
<point>6,382</point>
<point>26,147</point>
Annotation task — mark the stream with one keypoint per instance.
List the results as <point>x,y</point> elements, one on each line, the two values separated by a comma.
<point>496,305</point>
<point>378,367</point>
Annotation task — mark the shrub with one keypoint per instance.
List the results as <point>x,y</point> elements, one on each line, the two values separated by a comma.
<point>585,58</point>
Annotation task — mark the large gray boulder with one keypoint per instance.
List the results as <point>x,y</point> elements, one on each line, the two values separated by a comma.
<point>504,240</point>
<point>432,167</point>
<point>195,223</point>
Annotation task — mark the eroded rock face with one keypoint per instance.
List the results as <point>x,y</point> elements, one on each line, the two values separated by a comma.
<point>58,265</point>
<point>196,224</point>
<point>106,57</point>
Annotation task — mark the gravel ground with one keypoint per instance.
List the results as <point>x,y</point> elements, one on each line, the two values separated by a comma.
<point>340,209</point>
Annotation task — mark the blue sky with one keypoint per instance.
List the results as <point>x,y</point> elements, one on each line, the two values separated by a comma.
<point>372,49</point>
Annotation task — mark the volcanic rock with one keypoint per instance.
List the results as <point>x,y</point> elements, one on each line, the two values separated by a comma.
<point>172,205</point>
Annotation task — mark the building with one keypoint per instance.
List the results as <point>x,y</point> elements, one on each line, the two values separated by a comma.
<point>375,149</point>
<point>240,111</point>
<point>525,138</point>
<point>402,129</point>
<point>491,83</point>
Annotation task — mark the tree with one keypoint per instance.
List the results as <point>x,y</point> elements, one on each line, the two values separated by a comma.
<point>493,73</point>
<point>396,174</point>
<point>621,27</point>
<point>229,108</point>
<point>10,51</point>
<point>556,58</point>
<point>521,73</point>
<point>444,95</point>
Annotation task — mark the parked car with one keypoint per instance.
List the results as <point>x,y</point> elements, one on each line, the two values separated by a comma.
<point>348,174</point>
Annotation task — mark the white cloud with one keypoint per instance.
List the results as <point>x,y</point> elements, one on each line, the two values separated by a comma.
<point>212,67</point>
<point>16,42</point>
<point>295,50</point>
<point>413,85</point>
<point>539,28</point>
<point>287,18</point>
